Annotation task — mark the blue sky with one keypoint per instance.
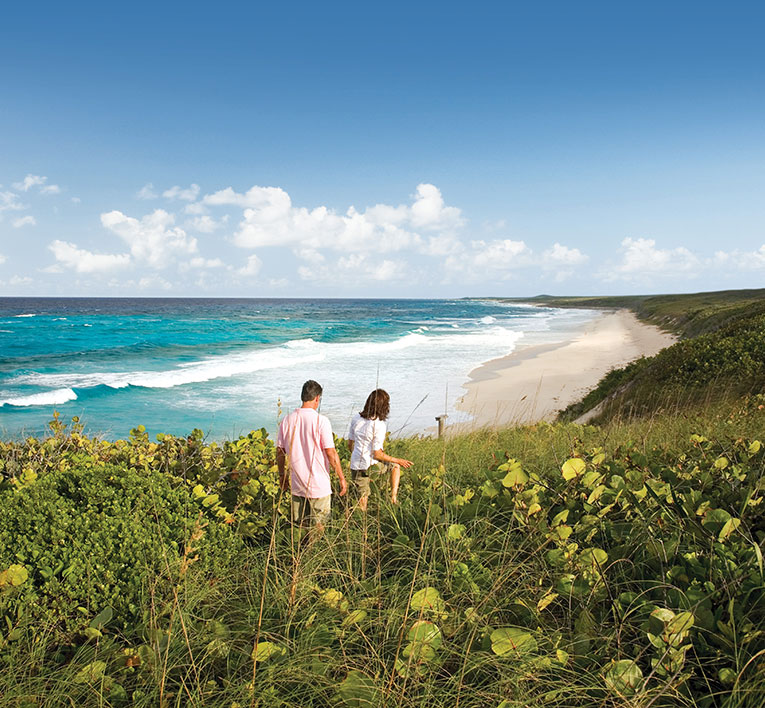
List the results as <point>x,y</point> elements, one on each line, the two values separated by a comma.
<point>405,149</point>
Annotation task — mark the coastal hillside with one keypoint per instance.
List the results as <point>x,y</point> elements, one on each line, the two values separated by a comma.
<point>721,355</point>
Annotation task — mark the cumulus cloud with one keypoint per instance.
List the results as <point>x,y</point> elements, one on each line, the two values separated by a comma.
<point>30,181</point>
<point>353,269</point>
<point>9,201</point>
<point>83,261</point>
<point>2,259</point>
<point>251,268</point>
<point>200,262</point>
<point>741,260</point>
<point>430,212</point>
<point>153,239</point>
<point>36,181</point>
<point>641,260</point>
<point>20,280</point>
<point>563,255</point>
<point>270,219</point>
<point>24,221</point>
<point>154,282</point>
<point>146,192</point>
<point>206,224</point>
<point>488,260</point>
<point>188,195</point>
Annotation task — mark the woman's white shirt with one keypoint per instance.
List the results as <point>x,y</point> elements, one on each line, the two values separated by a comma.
<point>368,436</point>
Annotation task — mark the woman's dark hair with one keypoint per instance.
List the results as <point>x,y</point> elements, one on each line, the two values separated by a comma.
<point>377,405</point>
<point>310,390</point>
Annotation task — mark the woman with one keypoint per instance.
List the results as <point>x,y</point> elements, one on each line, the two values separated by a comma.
<point>366,439</point>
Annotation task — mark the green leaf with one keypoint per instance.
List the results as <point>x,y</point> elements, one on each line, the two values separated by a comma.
<point>730,526</point>
<point>573,468</point>
<point>14,576</point>
<point>515,477</point>
<point>754,447</point>
<point>595,558</point>
<point>715,519</point>
<point>455,532</point>
<point>355,617</point>
<point>91,673</point>
<point>102,618</point>
<point>357,691</point>
<point>623,677</point>
<point>546,600</point>
<point>678,627</point>
<point>727,676</point>
<point>721,463</point>
<point>266,650</point>
<point>428,599</point>
<point>424,639</point>
<point>513,641</point>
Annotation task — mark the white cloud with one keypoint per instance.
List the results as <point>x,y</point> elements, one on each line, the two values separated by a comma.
<point>37,181</point>
<point>76,200</point>
<point>741,260</point>
<point>200,262</point>
<point>353,269</point>
<point>251,268</point>
<point>82,261</point>
<point>20,280</point>
<point>563,255</point>
<point>154,282</point>
<point>430,212</point>
<point>9,201</point>
<point>146,192</point>
<point>30,181</point>
<point>187,195</point>
<point>152,239</point>
<point>489,260</point>
<point>24,221</point>
<point>270,219</point>
<point>641,260</point>
<point>3,259</point>
<point>206,224</point>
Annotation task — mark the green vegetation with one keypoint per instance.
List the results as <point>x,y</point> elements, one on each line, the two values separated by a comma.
<point>686,315</point>
<point>721,355</point>
<point>555,565</point>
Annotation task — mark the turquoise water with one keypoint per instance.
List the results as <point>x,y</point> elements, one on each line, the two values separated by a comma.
<point>228,366</point>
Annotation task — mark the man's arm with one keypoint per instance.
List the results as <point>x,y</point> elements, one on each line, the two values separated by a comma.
<point>334,460</point>
<point>281,460</point>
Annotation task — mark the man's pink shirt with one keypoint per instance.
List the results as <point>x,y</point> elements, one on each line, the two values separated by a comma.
<point>304,435</point>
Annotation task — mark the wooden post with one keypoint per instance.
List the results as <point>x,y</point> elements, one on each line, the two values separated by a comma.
<point>441,423</point>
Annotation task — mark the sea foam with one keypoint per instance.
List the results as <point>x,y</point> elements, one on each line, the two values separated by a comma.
<point>46,398</point>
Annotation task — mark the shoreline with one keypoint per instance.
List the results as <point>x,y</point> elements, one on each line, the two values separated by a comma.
<point>531,384</point>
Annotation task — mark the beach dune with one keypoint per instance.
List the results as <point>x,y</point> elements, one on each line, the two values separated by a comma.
<point>533,383</point>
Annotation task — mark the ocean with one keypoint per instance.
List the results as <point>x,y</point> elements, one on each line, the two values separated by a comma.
<point>228,366</point>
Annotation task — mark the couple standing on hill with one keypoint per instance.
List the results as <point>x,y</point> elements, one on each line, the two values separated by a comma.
<point>305,448</point>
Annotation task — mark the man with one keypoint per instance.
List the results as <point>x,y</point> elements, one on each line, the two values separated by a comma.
<point>305,447</point>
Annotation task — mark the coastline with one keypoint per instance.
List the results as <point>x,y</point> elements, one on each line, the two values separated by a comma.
<point>533,383</point>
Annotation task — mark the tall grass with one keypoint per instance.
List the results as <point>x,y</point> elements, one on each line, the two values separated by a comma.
<point>334,621</point>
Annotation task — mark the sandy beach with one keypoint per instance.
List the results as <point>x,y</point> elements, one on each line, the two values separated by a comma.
<point>533,383</point>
